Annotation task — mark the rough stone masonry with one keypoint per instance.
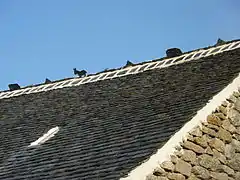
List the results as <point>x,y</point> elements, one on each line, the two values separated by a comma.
<point>211,151</point>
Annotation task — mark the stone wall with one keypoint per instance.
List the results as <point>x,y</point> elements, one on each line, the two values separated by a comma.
<point>210,151</point>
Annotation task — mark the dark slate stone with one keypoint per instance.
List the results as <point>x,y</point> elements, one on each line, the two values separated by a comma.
<point>109,127</point>
<point>13,87</point>
<point>173,52</point>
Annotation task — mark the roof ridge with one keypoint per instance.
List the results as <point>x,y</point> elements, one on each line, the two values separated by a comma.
<point>154,64</point>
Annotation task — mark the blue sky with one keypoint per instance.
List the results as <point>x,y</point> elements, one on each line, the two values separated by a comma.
<point>47,38</point>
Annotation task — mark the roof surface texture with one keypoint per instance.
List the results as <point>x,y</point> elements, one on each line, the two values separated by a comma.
<point>106,128</point>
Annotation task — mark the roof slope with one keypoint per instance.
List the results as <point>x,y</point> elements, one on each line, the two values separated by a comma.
<point>108,127</point>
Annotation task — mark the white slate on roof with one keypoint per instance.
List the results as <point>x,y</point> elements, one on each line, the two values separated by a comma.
<point>45,137</point>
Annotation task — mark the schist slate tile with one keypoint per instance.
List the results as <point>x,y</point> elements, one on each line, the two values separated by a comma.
<point>197,55</point>
<point>226,47</point>
<point>122,72</point>
<point>179,59</point>
<point>107,128</point>
<point>133,70</point>
<point>169,61</point>
<point>215,50</point>
<point>152,65</point>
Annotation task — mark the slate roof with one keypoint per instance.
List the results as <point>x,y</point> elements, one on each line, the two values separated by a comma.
<point>107,127</point>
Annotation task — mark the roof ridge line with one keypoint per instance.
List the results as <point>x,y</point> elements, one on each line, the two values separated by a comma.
<point>155,64</point>
<point>164,153</point>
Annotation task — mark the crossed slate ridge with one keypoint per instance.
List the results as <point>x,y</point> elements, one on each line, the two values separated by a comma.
<point>106,128</point>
